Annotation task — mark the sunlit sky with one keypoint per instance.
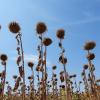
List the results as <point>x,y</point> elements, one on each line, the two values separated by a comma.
<point>79,18</point>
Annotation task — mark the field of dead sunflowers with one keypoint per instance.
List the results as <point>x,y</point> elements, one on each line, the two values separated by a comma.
<point>46,89</point>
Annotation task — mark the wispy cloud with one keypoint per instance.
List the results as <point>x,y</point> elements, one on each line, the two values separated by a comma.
<point>33,58</point>
<point>29,57</point>
<point>85,21</point>
<point>89,17</point>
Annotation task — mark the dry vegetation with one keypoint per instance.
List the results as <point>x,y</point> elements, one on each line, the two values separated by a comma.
<point>46,89</point>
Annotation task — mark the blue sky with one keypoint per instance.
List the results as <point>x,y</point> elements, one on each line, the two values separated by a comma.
<point>79,18</point>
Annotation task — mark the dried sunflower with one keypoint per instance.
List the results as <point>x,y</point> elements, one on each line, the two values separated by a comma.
<point>47,41</point>
<point>14,27</point>
<point>63,60</point>
<point>90,56</point>
<point>30,64</point>
<point>41,28</point>
<point>89,45</point>
<point>85,66</point>
<point>60,33</point>
<point>54,67</point>
<point>3,57</point>
<point>15,76</point>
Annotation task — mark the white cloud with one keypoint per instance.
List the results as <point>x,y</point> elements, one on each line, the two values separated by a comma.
<point>29,57</point>
<point>33,58</point>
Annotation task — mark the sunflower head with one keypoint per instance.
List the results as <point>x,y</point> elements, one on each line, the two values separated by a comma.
<point>37,68</point>
<point>47,41</point>
<point>3,57</point>
<point>89,45</point>
<point>62,78</point>
<point>63,86</point>
<point>90,56</point>
<point>29,77</point>
<point>60,33</point>
<point>30,64</point>
<point>74,75</point>
<point>85,66</point>
<point>62,60</point>
<point>14,27</point>
<point>41,28</point>
<point>7,82</point>
<point>15,76</point>
<point>54,67</point>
